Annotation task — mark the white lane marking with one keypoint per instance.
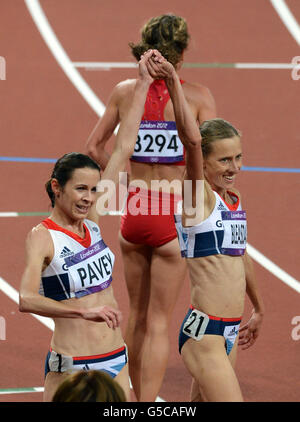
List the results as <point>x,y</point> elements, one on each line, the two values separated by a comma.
<point>62,58</point>
<point>105,65</point>
<point>277,66</point>
<point>13,294</point>
<point>6,214</point>
<point>21,390</point>
<point>129,65</point>
<point>287,18</point>
<point>273,268</point>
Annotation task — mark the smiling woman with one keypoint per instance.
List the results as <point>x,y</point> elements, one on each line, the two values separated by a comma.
<point>214,245</point>
<point>63,171</point>
<point>69,260</point>
<point>222,154</point>
<point>68,272</point>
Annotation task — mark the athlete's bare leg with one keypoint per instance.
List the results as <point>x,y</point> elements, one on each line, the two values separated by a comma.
<point>197,394</point>
<point>52,381</point>
<point>211,369</point>
<point>168,271</point>
<point>136,262</point>
<point>123,380</point>
<point>153,278</point>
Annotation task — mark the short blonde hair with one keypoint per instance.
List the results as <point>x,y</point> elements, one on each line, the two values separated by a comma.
<point>214,130</point>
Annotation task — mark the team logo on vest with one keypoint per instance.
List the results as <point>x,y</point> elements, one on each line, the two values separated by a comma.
<point>221,207</point>
<point>66,252</point>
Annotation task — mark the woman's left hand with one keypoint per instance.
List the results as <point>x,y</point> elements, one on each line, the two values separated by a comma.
<point>249,332</point>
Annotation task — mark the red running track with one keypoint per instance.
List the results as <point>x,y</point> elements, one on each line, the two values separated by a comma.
<point>43,115</point>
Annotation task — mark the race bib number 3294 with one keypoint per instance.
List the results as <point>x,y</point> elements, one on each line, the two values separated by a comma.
<point>158,142</point>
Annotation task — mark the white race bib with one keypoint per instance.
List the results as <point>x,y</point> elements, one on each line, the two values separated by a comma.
<point>196,324</point>
<point>91,267</point>
<point>158,142</point>
<point>235,232</point>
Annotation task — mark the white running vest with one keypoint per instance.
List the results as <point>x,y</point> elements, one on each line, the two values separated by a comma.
<point>223,232</point>
<point>76,270</point>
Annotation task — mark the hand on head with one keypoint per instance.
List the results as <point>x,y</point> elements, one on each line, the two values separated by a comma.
<point>156,65</point>
<point>143,68</point>
<point>159,67</point>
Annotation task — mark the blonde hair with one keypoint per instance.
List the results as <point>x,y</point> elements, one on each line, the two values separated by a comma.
<point>166,33</point>
<point>214,130</point>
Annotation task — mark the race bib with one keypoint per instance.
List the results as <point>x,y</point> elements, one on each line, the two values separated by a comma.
<point>235,232</point>
<point>196,324</point>
<point>91,267</point>
<point>158,142</point>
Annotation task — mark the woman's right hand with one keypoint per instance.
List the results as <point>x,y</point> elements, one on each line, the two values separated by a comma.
<point>143,68</point>
<point>111,316</point>
<point>159,67</point>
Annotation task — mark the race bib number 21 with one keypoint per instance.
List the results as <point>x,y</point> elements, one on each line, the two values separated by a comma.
<point>196,324</point>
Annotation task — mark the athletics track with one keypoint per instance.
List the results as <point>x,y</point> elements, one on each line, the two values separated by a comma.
<point>62,58</point>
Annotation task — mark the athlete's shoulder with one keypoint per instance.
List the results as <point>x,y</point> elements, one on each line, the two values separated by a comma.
<point>122,92</point>
<point>125,85</point>
<point>196,89</point>
<point>39,239</point>
<point>200,98</point>
<point>39,231</point>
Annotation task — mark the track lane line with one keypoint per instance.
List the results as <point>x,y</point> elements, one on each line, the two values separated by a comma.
<point>273,268</point>
<point>61,56</point>
<point>131,65</point>
<point>21,390</point>
<point>53,160</point>
<point>287,18</point>
<point>13,294</point>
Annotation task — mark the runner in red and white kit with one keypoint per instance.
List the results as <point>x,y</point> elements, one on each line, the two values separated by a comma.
<point>153,268</point>
<point>68,271</point>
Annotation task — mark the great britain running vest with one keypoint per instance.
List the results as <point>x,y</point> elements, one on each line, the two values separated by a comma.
<point>158,140</point>
<point>223,232</point>
<point>79,266</point>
